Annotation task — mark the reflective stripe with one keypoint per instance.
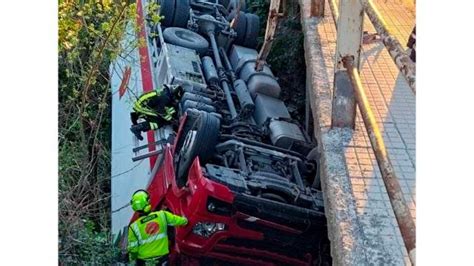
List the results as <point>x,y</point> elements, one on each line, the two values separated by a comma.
<point>143,110</point>
<point>133,244</point>
<point>143,98</point>
<point>169,113</point>
<point>138,106</point>
<point>170,110</point>
<point>153,126</point>
<point>146,96</point>
<point>137,232</point>
<point>153,238</point>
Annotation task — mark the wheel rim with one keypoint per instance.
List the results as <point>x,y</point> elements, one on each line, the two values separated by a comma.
<point>187,144</point>
<point>184,156</point>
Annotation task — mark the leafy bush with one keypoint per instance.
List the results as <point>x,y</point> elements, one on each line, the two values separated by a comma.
<point>89,34</point>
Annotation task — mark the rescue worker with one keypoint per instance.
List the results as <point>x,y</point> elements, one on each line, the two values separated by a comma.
<point>157,107</point>
<point>147,236</point>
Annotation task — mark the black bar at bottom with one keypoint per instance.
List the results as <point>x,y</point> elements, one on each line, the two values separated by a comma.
<point>141,157</point>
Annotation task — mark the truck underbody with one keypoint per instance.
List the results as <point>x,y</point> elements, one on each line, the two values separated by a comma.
<point>243,172</point>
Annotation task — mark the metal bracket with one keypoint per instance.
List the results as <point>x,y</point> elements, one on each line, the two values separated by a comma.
<point>350,20</point>
<point>344,101</point>
<point>147,155</point>
<point>159,142</point>
<point>159,145</point>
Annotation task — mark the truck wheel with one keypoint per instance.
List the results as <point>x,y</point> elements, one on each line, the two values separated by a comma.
<point>315,156</point>
<point>240,27</point>
<point>181,13</point>
<point>199,141</point>
<point>191,118</point>
<point>233,4</point>
<point>186,38</point>
<point>253,28</point>
<point>167,12</point>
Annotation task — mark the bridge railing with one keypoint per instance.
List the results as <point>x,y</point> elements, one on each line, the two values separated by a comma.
<point>349,92</point>
<point>400,57</point>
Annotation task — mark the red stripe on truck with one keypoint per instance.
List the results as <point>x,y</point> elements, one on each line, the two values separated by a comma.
<point>145,68</point>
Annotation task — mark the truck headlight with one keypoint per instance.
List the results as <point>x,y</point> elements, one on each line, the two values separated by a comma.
<point>206,229</point>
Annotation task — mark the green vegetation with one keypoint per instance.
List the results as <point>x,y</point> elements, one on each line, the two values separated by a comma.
<point>89,34</point>
<point>287,54</point>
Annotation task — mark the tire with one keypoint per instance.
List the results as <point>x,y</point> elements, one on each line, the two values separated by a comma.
<point>232,5</point>
<point>251,33</point>
<point>186,38</point>
<point>191,118</point>
<point>181,13</point>
<point>315,155</point>
<point>167,9</point>
<point>199,141</point>
<point>240,28</point>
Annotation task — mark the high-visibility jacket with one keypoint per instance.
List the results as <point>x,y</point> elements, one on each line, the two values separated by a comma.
<point>155,103</point>
<point>147,236</point>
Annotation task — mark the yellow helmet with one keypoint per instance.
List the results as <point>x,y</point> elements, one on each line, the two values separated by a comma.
<point>141,201</point>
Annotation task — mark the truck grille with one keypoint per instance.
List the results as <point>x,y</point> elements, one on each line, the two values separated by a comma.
<point>288,215</point>
<point>261,251</point>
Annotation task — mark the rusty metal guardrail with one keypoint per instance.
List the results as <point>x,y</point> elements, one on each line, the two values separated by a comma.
<point>400,207</point>
<point>348,19</point>
<point>395,49</point>
<point>334,11</point>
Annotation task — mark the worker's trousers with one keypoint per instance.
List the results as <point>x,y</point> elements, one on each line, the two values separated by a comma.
<point>162,261</point>
<point>150,120</point>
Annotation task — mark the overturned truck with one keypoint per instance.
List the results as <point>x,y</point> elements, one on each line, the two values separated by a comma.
<point>243,172</point>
